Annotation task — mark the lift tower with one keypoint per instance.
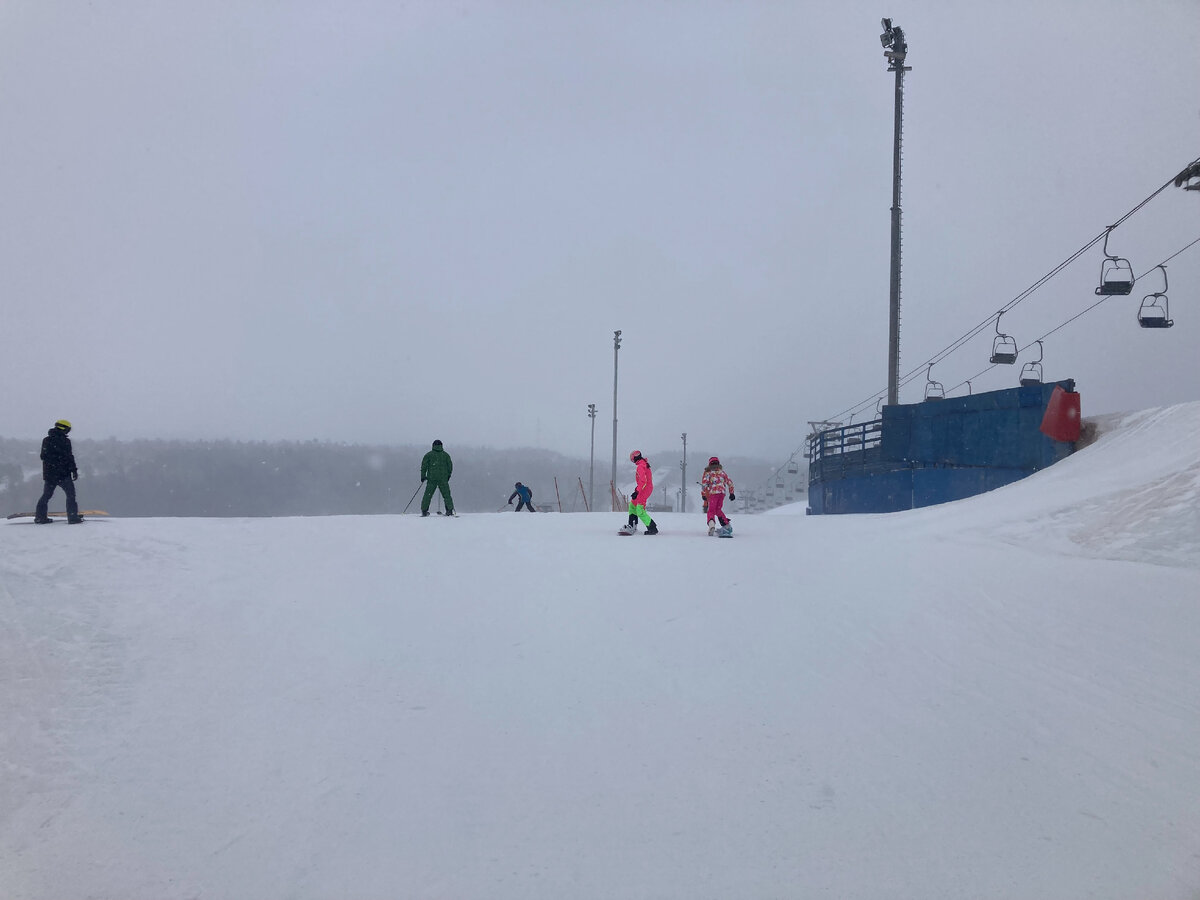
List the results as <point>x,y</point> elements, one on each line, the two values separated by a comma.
<point>895,48</point>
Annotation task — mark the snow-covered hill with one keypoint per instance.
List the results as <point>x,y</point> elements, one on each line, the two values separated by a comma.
<point>996,698</point>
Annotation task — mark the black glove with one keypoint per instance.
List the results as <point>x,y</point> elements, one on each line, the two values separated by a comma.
<point>633,497</point>
<point>510,502</point>
<point>732,495</point>
<point>74,476</point>
<point>422,479</point>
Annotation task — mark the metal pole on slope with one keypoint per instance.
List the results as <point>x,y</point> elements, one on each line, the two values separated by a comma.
<point>895,49</point>
<point>683,477</point>
<point>616,349</point>
<point>591,494</point>
<point>411,499</point>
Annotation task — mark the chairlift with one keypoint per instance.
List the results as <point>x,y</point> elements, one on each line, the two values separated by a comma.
<point>1031,372</point>
<point>933,389</point>
<point>1004,347</point>
<point>1153,312</point>
<point>1116,274</point>
<point>1189,178</point>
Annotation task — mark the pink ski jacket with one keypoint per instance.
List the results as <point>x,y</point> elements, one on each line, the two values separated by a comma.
<point>715,481</point>
<point>645,482</point>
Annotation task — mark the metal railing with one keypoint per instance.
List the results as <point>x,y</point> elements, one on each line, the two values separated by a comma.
<point>847,439</point>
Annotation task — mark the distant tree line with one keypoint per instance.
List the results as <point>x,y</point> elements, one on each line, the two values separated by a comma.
<point>313,478</point>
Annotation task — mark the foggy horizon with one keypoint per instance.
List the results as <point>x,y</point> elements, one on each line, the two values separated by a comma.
<point>382,224</point>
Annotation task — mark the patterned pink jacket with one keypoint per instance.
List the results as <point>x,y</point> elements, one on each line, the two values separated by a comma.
<point>715,481</point>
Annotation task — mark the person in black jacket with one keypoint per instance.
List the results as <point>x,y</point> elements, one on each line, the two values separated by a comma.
<point>58,471</point>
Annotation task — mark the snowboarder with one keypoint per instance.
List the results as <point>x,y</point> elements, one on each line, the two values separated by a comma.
<point>641,493</point>
<point>525,495</point>
<point>58,471</point>
<point>713,485</point>
<point>436,467</point>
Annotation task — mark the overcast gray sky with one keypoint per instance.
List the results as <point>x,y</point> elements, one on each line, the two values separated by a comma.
<point>390,222</point>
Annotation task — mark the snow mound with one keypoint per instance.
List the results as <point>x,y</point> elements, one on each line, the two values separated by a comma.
<point>1133,493</point>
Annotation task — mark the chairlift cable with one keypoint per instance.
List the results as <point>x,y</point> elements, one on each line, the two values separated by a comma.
<point>1173,255</point>
<point>1080,314</point>
<point>1020,298</point>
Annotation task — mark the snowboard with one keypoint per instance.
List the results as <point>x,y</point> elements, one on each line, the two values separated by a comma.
<point>61,515</point>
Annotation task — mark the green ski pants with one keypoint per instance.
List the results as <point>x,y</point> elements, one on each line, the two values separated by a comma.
<point>430,487</point>
<point>640,511</point>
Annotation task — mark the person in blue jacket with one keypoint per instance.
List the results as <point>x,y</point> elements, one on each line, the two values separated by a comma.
<point>526,496</point>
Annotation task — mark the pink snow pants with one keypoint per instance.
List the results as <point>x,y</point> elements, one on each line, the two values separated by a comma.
<point>715,502</point>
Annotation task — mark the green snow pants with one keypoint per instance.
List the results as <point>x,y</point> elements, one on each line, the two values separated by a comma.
<point>441,485</point>
<point>636,509</point>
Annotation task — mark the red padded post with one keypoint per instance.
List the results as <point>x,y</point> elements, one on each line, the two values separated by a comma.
<point>1061,420</point>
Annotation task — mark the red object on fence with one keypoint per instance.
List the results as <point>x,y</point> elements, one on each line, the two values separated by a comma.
<point>1061,419</point>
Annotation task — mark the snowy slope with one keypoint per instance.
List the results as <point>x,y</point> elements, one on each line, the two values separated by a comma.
<point>996,698</point>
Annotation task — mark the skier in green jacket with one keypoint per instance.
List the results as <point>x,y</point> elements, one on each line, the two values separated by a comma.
<point>436,467</point>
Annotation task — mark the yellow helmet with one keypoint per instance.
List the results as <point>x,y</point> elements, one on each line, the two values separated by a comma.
<point>64,424</point>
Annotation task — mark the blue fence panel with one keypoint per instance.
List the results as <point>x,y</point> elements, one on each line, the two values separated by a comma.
<point>932,452</point>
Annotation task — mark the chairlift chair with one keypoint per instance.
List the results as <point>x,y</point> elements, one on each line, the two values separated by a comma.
<point>1004,347</point>
<point>1031,372</point>
<point>1153,311</point>
<point>933,389</point>
<point>1116,274</point>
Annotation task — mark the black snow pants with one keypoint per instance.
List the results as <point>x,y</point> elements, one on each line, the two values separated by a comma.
<point>68,487</point>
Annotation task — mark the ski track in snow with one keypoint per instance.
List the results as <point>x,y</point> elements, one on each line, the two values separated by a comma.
<point>993,698</point>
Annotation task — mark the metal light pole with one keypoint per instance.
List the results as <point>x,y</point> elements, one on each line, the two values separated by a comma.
<point>613,483</point>
<point>683,477</point>
<point>895,49</point>
<point>592,463</point>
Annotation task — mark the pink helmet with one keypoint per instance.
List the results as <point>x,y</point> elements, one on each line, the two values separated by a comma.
<point>635,455</point>
<point>713,461</point>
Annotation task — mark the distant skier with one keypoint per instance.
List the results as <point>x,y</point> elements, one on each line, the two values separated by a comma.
<point>641,493</point>
<point>525,495</point>
<point>436,468</point>
<point>713,485</point>
<point>58,471</point>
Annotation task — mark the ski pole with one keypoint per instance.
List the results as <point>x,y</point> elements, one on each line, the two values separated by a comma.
<point>411,499</point>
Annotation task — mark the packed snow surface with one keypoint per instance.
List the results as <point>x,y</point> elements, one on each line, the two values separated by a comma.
<point>997,698</point>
